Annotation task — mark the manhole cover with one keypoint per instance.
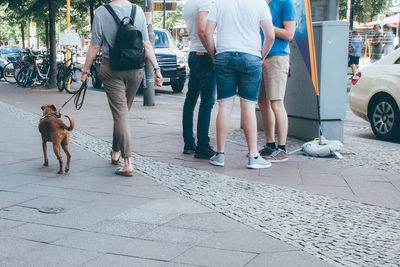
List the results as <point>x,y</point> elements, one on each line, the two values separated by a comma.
<point>51,210</point>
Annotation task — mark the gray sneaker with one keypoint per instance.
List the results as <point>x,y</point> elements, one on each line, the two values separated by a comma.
<point>257,163</point>
<point>266,151</point>
<point>278,156</point>
<point>218,159</point>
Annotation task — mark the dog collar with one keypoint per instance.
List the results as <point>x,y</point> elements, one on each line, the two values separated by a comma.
<point>54,114</point>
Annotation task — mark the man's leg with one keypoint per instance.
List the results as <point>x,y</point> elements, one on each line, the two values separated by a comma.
<point>249,125</point>
<point>188,107</point>
<point>223,122</point>
<point>281,119</point>
<point>268,119</point>
<point>207,93</point>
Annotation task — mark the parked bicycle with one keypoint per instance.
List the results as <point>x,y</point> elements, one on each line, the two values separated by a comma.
<point>12,68</point>
<point>35,72</point>
<point>68,76</point>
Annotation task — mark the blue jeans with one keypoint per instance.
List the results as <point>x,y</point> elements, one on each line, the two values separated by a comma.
<point>201,83</point>
<point>239,73</point>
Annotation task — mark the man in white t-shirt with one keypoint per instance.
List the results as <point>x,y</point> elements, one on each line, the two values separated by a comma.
<point>238,58</point>
<point>201,81</point>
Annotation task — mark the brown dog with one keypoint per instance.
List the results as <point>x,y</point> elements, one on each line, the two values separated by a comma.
<point>53,129</point>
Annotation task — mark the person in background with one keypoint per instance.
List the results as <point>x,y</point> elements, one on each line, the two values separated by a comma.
<point>356,45</point>
<point>201,81</point>
<point>238,67</point>
<point>273,85</point>
<point>388,39</point>
<point>376,44</point>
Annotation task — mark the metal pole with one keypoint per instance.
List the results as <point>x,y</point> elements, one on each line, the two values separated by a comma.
<point>164,11</point>
<point>149,90</point>
<point>68,47</point>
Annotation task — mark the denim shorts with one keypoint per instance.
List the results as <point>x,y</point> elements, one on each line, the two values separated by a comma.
<point>239,73</point>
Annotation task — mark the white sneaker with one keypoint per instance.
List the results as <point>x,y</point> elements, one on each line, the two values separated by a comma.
<point>218,159</point>
<point>257,162</point>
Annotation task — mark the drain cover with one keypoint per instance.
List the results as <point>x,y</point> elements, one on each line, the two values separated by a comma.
<point>51,210</point>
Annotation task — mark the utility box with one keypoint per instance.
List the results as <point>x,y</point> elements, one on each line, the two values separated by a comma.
<point>331,41</point>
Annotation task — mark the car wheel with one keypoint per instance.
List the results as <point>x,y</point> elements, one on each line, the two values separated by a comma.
<point>384,118</point>
<point>177,87</point>
<point>1,73</point>
<point>96,82</point>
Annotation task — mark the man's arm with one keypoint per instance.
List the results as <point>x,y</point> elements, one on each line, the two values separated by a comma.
<point>269,36</point>
<point>151,56</point>
<point>90,56</point>
<point>201,27</point>
<point>209,37</point>
<point>288,30</point>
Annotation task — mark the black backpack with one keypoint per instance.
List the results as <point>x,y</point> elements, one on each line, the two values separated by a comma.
<point>128,52</point>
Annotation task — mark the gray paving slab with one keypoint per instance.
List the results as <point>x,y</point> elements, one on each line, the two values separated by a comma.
<point>123,246</point>
<point>145,216</point>
<point>14,247</point>
<point>38,233</point>
<point>214,257</point>
<point>49,201</point>
<point>121,228</point>
<point>8,199</point>
<point>287,259</point>
<point>82,217</point>
<point>50,255</point>
<point>246,241</point>
<point>177,235</point>
<point>174,206</point>
<point>9,224</point>
<point>326,179</point>
<point>22,214</point>
<point>214,222</point>
<point>13,180</point>
<point>107,260</point>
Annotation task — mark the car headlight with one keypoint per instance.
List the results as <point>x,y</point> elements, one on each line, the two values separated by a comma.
<point>181,62</point>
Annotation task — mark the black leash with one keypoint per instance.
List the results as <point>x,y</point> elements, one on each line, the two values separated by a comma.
<point>79,97</point>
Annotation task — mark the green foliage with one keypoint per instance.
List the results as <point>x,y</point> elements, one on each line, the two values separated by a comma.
<point>364,10</point>
<point>172,18</point>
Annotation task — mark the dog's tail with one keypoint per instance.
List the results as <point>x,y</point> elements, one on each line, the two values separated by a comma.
<point>71,122</point>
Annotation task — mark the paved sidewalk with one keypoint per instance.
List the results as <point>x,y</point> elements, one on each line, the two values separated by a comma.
<point>105,220</point>
<point>343,214</point>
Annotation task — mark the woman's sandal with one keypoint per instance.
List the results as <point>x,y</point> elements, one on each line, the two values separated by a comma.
<point>115,162</point>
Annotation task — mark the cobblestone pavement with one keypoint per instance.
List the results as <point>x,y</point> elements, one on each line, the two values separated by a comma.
<point>339,231</point>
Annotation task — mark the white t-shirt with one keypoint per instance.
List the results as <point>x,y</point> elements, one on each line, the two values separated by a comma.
<point>238,25</point>
<point>190,10</point>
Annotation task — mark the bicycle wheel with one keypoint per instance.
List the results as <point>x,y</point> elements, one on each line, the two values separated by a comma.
<point>9,73</point>
<point>29,76</point>
<point>74,80</point>
<point>21,76</point>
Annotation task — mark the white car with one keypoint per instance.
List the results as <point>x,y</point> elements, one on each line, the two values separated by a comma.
<point>375,96</point>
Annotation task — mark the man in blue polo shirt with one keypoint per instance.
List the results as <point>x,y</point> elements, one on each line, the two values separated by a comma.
<point>273,85</point>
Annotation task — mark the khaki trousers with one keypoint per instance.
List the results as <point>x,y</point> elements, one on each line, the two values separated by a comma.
<point>121,88</point>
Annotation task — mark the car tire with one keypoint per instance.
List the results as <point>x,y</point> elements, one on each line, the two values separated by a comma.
<point>1,73</point>
<point>384,118</point>
<point>96,81</point>
<point>177,87</point>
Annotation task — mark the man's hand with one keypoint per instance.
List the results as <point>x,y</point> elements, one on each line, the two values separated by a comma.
<point>158,78</point>
<point>85,77</point>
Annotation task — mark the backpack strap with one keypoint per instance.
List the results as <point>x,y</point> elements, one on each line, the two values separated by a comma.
<point>133,14</point>
<point>113,14</point>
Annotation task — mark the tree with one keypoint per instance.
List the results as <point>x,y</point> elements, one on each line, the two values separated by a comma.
<point>364,10</point>
<point>172,18</point>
